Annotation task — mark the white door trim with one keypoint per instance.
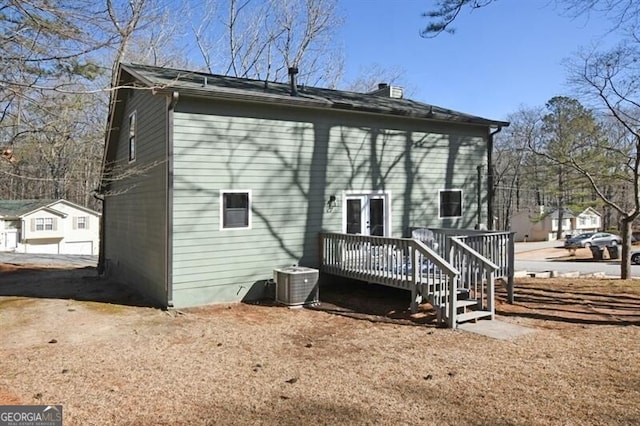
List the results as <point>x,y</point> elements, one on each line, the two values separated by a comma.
<point>366,196</point>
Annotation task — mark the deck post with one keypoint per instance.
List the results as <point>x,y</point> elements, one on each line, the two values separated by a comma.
<point>414,280</point>
<point>453,288</point>
<point>453,301</point>
<point>321,253</point>
<point>491,294</point>
<point>511,271</point>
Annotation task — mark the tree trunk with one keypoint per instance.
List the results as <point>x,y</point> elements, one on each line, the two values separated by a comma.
<point>560,205</point>
<point>625,261</point>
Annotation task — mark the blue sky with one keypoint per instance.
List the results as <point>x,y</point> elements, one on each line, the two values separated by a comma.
<point>504,56</point>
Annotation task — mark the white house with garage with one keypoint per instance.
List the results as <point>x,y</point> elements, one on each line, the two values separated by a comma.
<point>48,227</point>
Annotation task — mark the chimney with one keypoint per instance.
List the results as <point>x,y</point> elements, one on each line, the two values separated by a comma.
<point>387,91</point>
<point>292,81</point>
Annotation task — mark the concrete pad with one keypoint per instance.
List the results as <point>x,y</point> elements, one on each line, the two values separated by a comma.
<point>496,329</point>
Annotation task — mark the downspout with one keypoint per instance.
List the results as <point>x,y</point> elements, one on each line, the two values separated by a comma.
<point>101,243</point>
<point>490,220</point>
<point>479,201</point>
<point>169,230</point>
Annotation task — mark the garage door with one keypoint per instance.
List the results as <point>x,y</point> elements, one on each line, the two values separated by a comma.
<point>78,247</point>
<point>47,248</point>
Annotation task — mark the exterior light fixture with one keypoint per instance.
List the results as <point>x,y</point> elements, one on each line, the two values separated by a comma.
<point>332,203</point>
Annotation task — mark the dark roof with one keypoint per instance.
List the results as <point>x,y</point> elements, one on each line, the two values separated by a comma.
<point>210,85</point>
<point>566,214</point>
<point>15,208</point>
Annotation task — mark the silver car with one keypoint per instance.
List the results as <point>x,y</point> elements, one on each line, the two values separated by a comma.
<point>588,239</point>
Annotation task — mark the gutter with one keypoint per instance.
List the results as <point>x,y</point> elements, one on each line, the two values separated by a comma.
<point>490,221</point>
<point>101,243</point>
<point>172,102</point>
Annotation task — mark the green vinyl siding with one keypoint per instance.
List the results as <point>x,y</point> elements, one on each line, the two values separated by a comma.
<point>292,160</point>
<point>136,207</point>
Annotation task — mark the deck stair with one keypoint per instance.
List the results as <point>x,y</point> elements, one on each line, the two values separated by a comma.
<point>459,289</point>
<point>467,309</point>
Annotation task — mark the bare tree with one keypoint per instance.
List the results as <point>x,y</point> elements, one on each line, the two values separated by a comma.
<point>54,86</point>
<point>621,13</point>
<point>517,171</point>
<point>611,81</point>
<point>262,38</point>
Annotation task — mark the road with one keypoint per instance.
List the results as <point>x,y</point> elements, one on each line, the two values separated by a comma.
<point>582,266</point>
<point>606,267</point>
<point>48,259</point>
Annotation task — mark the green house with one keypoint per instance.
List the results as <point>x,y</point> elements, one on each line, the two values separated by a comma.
<point>211,182</point>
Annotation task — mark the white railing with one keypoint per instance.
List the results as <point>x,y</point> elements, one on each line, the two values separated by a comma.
<point>477,277</point>
<point>396,262</point>
<point>411,265</point>
<point>497,246</point>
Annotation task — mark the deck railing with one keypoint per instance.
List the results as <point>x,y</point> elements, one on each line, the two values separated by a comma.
<point>466,264</point>
<point>497,246</point>
<point>477,276</point>
<point>396,262</point>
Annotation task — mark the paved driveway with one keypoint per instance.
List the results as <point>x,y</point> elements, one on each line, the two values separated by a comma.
<point>48,259</point>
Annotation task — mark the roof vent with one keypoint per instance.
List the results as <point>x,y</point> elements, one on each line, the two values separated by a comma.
<point>292,81</point>
<point>388,91</point>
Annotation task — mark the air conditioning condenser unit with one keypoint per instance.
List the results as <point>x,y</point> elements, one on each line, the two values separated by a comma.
<point>296,285</point>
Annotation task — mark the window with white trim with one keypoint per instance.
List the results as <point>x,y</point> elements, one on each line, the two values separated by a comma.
<point>235,209</point>
<point>44,224</point>
<point>132,137</point>
<point>450,203</point>
<point>81,222</point>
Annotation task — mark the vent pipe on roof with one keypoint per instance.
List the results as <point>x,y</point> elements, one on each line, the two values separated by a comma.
<point>292,81</point>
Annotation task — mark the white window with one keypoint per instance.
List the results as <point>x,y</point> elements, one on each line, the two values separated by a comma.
<point>583,221</point>
<point>44,224</point>
<point>81,222</point>
<point>132,137</point>
<point>594,220</point>
<point>235,209</point>
<point>450,203</point>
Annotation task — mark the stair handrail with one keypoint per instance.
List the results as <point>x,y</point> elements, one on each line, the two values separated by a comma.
<point>465,247</point>
<point>446,267</point>
<point>488,266</point>
<point>434,257</point>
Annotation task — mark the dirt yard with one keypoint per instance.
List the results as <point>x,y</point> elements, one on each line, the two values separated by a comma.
<point>359,358</point>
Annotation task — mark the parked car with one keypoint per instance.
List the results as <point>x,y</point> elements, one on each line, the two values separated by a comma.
<point>589,239</point>
<point>635,257</point>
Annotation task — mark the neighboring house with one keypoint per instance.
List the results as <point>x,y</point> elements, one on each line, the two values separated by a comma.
<point>212,182</point>
<point>48,227</point>
<point>537,226</point>
<point>588,220</point>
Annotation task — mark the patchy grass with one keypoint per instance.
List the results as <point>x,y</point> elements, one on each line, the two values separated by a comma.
<point>358,359</point>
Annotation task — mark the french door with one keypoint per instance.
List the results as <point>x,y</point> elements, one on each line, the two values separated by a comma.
<point>366,214</point>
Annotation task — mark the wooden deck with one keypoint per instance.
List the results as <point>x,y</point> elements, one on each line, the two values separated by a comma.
<point>460,288</point>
